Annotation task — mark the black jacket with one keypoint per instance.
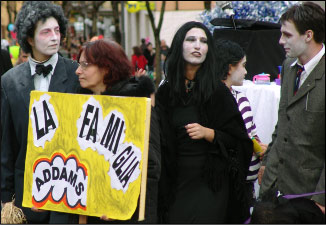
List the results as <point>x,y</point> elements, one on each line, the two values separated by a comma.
<point>16,85</point>
<point>5,60</point>
<point>141,87</point>
<point>229,154</point>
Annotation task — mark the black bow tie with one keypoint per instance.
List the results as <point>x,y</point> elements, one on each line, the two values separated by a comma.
<point>41,69</point>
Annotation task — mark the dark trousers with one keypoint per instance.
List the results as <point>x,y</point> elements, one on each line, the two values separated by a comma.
<point>250,193</point>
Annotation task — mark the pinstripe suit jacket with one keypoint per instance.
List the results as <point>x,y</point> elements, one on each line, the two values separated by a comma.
<point>295,159</point>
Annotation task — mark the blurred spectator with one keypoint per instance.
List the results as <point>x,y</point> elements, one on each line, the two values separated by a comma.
<point>143,45</point>
<point>164,52</point>
<point>164,49</point>
<point>150,56</point>
<point>5,64</point>
<point>4,44</point>
<point>138,60</point>
<point>22,57</point>
<point>64,51</point>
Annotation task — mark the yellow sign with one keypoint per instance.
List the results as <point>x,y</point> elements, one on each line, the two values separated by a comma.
<point>86,153</point>
<point>135,6</point>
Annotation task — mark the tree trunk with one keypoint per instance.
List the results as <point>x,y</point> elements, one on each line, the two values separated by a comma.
<point>9,11</point>
<point>158,69</point>
<point>156,31</point>
<point>207,5</point>
<point>116,21</point>
<point>66,6</point>
<point>94,23</point>
<point>95,9</point>
<point>15,10</point>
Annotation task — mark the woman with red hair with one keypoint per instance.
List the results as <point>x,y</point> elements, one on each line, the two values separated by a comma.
<point>104,69</point>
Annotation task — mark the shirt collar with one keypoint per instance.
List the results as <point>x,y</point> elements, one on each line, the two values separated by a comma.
<point>53,61</point>
<point>312,62</point>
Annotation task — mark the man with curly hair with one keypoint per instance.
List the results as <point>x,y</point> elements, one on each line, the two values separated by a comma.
<point>40,27</point>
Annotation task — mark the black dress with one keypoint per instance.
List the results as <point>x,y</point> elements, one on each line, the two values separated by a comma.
<point>194,201</point>
<point>202,182</point>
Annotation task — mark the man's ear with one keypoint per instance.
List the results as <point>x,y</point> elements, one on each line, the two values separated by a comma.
<point>310,35</point>
<point>31,41</point>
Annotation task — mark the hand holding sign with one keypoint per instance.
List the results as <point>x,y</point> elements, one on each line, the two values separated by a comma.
<point>85,154</point>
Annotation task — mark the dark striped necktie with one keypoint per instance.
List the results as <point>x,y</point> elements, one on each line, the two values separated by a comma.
<point>297,79</point>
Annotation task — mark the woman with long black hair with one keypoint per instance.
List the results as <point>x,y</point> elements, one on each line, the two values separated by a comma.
<point>205,148</point>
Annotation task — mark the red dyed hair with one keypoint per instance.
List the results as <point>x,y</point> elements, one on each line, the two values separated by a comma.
<point>110,56</point>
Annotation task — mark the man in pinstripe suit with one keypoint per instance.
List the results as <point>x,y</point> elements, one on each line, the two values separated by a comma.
<point>294,162</point>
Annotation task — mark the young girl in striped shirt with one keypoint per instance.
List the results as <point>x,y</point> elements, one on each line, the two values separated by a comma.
<point>234,71</point>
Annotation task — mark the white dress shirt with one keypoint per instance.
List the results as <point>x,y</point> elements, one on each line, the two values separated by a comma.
<point>42,83</point>
<point>309,65</point>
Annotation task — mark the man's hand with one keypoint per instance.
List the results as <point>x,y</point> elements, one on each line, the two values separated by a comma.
<point>37,209</point>
<point>260,174</point>
<point>105,218</point>
<point>322,208</point>
<point>263,148</point>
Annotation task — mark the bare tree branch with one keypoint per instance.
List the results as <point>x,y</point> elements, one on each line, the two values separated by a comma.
<point>161,16</point>
<point>151,17</point>
<point>156,31</point>
<point>116,19</point>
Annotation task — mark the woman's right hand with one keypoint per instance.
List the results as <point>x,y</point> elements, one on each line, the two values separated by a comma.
<point>105,218</point>
<point>37,209</point>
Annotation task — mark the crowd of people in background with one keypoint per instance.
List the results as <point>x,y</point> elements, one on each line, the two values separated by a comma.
<point>143,56</point>
<point>202,158</point>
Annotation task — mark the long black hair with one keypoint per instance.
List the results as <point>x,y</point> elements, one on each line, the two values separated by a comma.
<point>174,67</point>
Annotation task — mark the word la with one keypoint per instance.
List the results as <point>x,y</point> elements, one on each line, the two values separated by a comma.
<point>44,120</point>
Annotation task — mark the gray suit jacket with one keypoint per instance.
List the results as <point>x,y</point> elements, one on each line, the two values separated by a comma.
<point>295,159</point>
<point>16,85</point>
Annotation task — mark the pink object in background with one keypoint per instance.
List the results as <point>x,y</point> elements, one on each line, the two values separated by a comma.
<point>261,79</point>
<point>147,40</point>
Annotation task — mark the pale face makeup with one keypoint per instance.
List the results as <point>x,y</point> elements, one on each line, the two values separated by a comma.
<point>294,44</point>
<point>91,77</point>
<point>46,41</point>
<point>195,46</point>
<point>237,73</point>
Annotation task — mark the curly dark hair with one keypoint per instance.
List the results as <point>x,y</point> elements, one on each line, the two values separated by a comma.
<point>228,53</point>
<point>32,12</point>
